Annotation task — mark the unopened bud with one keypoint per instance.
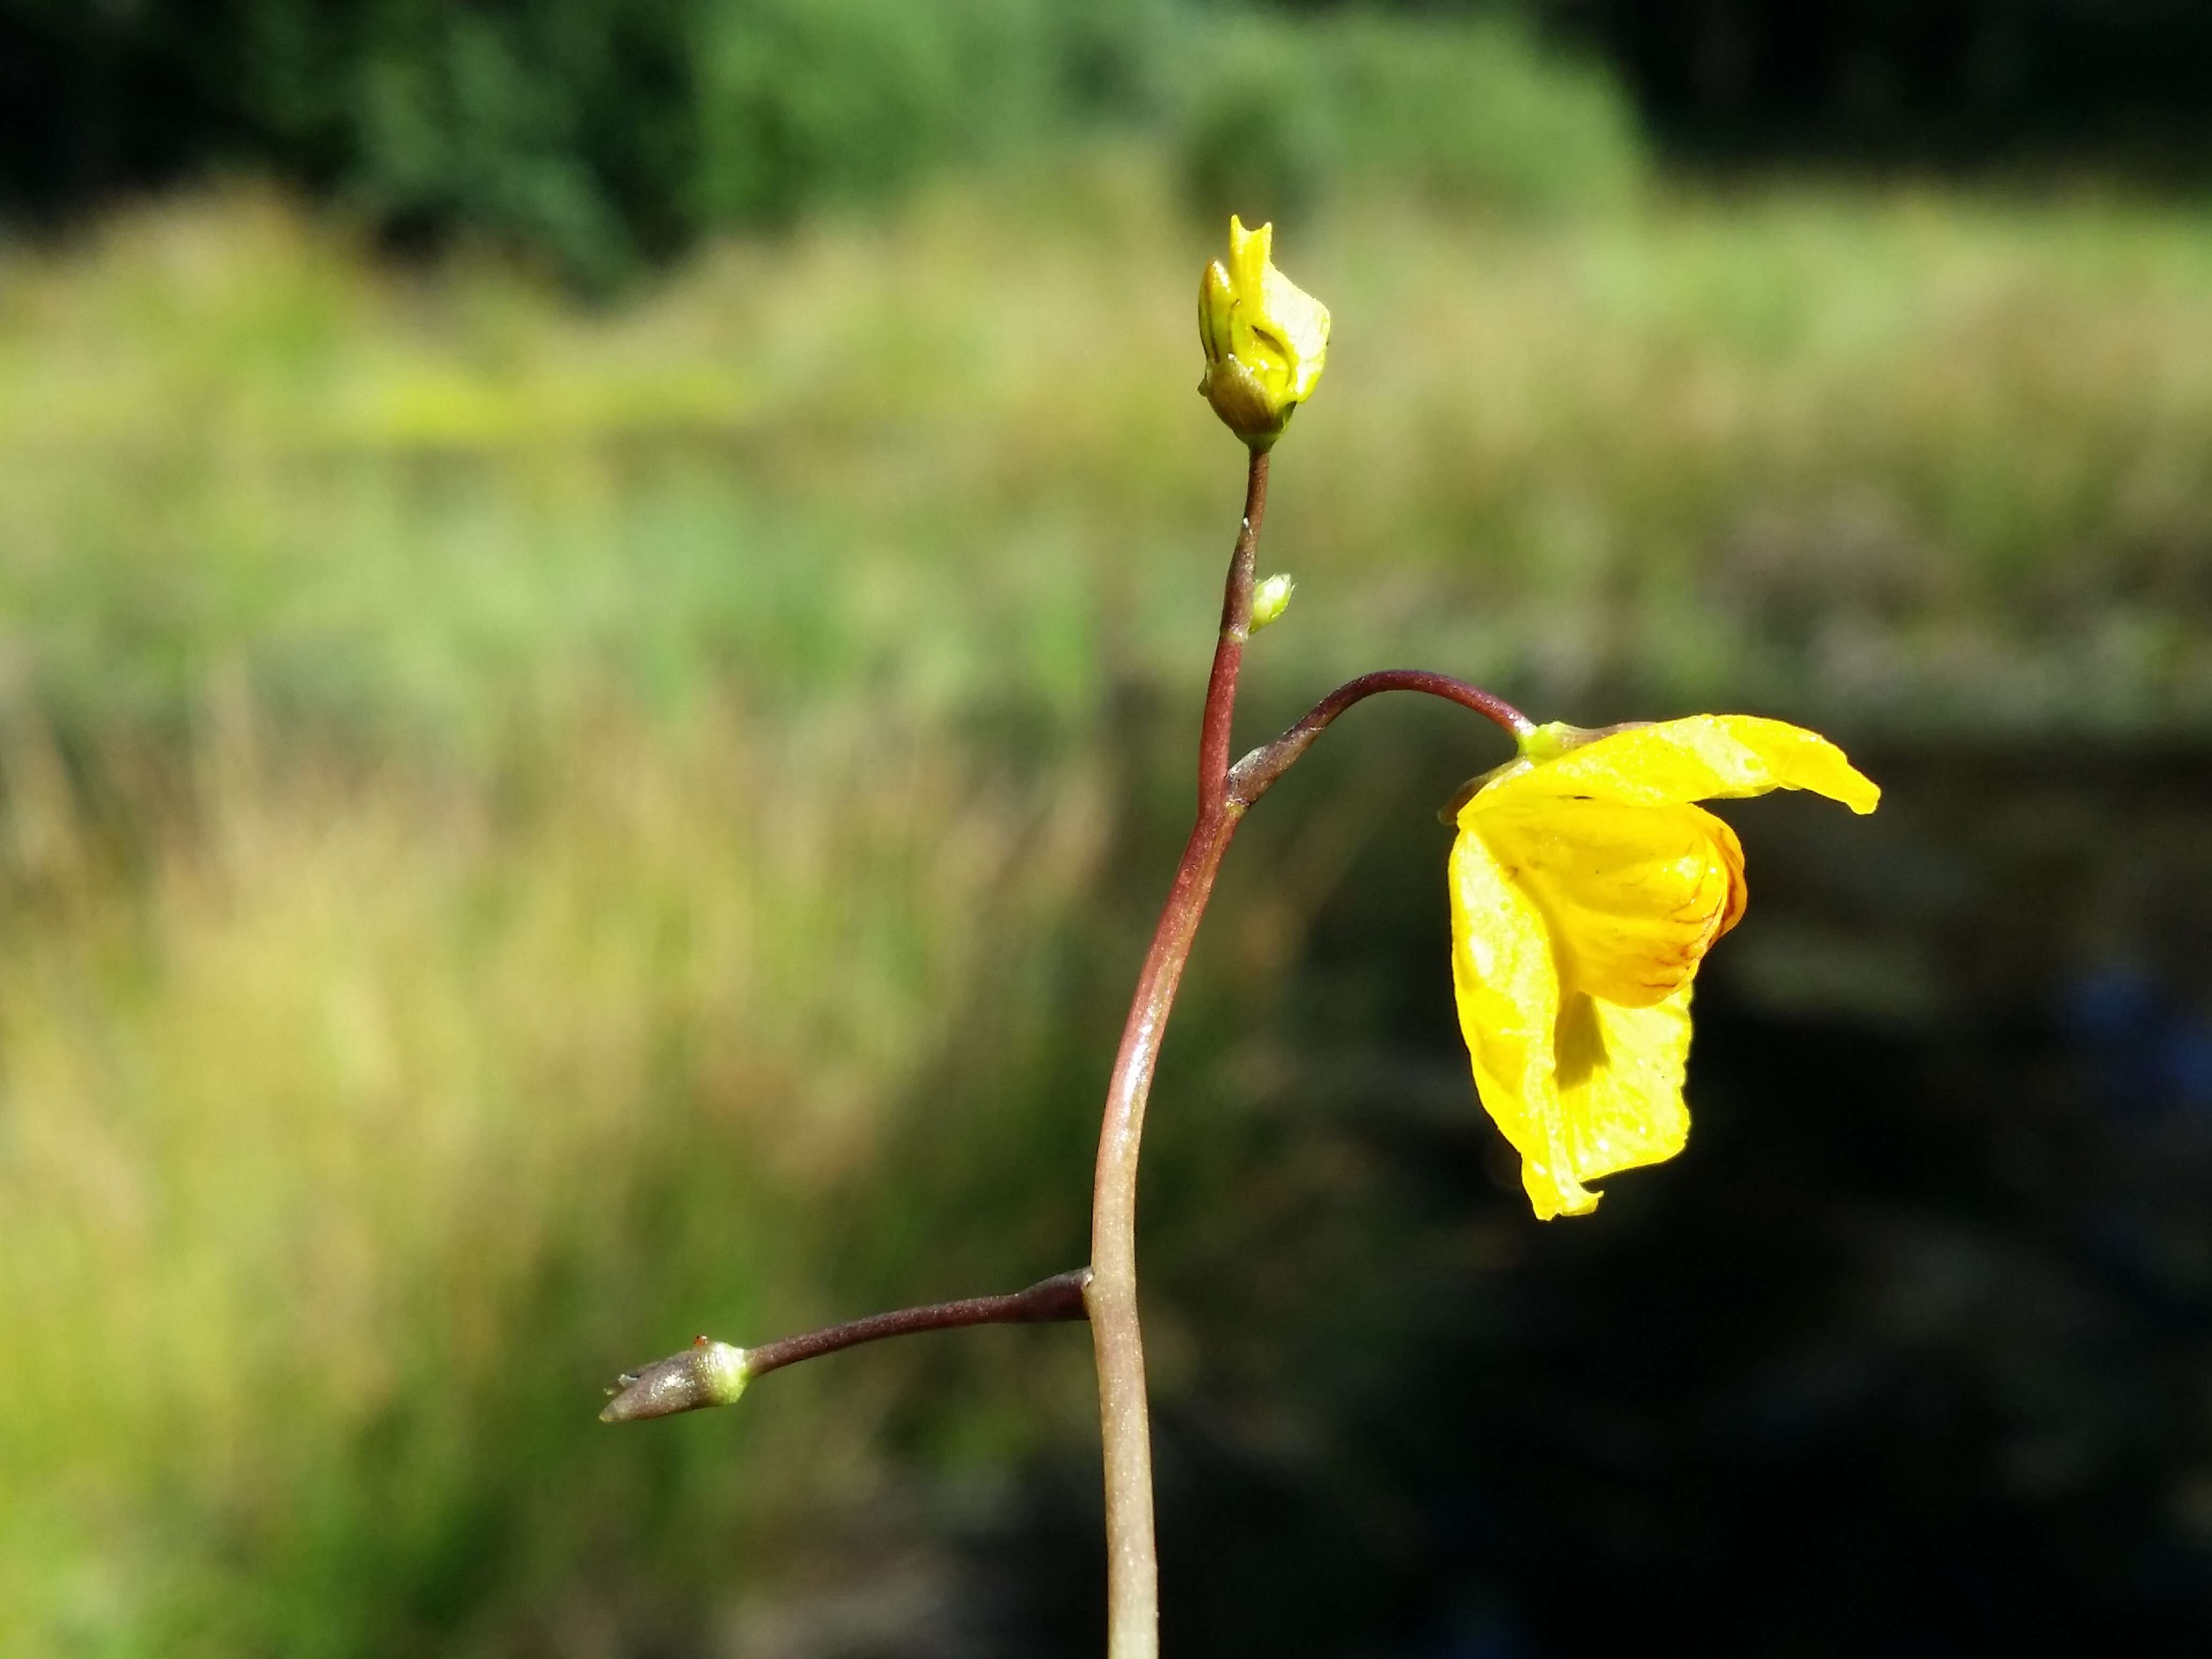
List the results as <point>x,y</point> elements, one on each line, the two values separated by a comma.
<point>1271,598</point>
<point>1265,339</point>
<point>705,1373</point>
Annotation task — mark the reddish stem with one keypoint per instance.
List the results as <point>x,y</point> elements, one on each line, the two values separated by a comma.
<point>1224,793</point>
<point>1132,1559</point>
<point>1252,776</point>
<point>1055,1299</point>
<point>1229,650</point>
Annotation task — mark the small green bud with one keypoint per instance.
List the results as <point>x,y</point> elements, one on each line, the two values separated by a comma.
<point>1538,744</point>
<point>705,1373</point>
<point>1271,598</point>
<point>1554,738</point>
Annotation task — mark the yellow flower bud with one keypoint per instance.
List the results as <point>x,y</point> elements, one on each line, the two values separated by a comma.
<point>1265,339</point>
<point>1271,598</point>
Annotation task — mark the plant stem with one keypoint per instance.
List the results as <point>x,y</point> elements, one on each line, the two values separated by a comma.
<point>716,1374</point>
<point>1124,1416</point>
<point>1253,776</point>
<point>1055,1299</point>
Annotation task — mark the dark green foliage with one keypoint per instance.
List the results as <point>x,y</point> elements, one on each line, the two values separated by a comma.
<point>605,134</point>
<point>2117,82</point>
<point>564,126</point>
<point>808,100</point>
<point>560,124</point>
<point>601,132</point>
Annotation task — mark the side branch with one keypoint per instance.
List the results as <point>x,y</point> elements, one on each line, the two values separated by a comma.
<point>1060,1297</point>
<point>716,1374</point>
<point>1252,777</point>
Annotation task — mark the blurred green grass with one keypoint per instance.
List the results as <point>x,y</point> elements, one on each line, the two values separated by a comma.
<point>530,832</point>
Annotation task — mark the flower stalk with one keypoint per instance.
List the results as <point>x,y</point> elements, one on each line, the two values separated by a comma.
<point>1116,1333</point>
<point>1225,792</point>
<point>1253,775</point>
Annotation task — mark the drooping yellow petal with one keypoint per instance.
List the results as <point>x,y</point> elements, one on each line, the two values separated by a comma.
<point>1507,990</point>
<point>1703,757</point>
<point>1619,1078</point>
<point>1580,1086</point>
<point>1633,896</point>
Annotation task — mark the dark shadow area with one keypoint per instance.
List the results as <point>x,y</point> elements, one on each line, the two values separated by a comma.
<point>2110,84</point>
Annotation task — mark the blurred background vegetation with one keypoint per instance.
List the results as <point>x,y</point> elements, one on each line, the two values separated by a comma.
<point>601,610</point>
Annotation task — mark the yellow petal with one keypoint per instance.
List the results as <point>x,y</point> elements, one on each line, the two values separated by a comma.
<point>1633,896</point>
<point>1582,1087</point>
<point>1508,992</point>
<point>1258,342</point>
<point>1705,758</point>
<point>1620,1079</point>
<point>1299,323</point>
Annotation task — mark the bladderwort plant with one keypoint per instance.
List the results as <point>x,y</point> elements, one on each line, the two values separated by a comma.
<point>1585,885</point>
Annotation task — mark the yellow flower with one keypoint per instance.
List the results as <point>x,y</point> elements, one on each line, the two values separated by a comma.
<point>1265,339</point>
<point>1585,889</point>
